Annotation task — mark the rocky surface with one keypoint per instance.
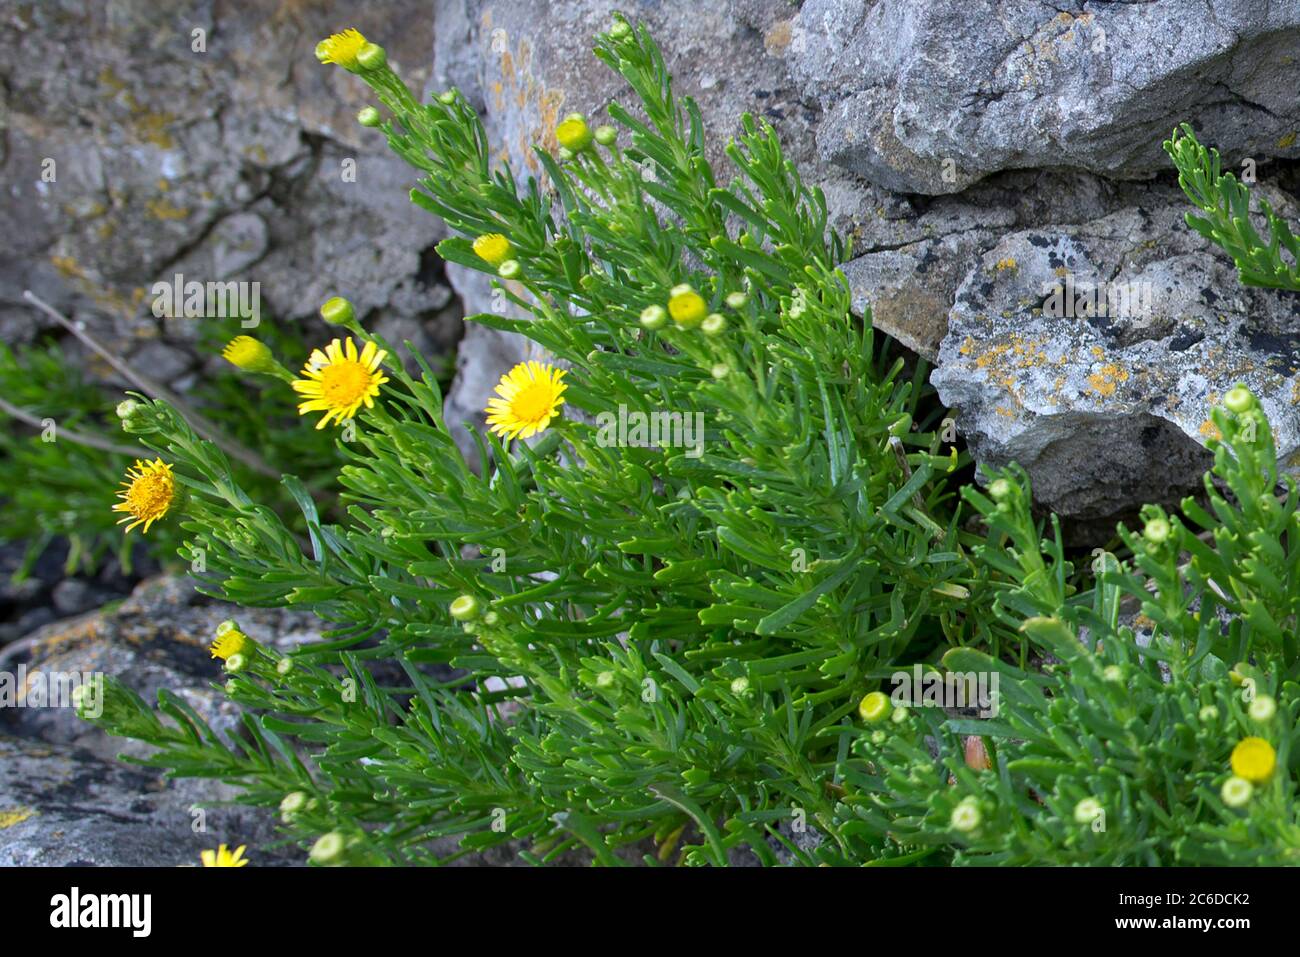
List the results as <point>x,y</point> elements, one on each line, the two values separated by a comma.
<point>203,139</point>
<point>64,796</point>
<point>944,135</point>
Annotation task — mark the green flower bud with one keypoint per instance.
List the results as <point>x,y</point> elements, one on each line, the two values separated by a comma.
<point>337,311</point>
<point>736,300</point>
<point>900,714</point>
<point>1263,708</point>
<point>620,29</point>
<point>284,666</point>
<point>605,679</point>
<point>1239,400</point>
<point>606,135</point>
<point>714,324</point>
<point>1112,673</point>
<point>328,849</point>
<point>720,370</point>
<point>965,816</point>
<point>465,608</point>
<point>1087,810</point>
<point>874,707</point>
<point>510,269</point>
<point>369,116</point>
<point>1237,792</point>
<point>1208,714</point>
<point>1000,490</point>
<point>235,664</point>
<point>1157,531</point>
<point>654,317</point>
<point>292,803</point>
<point>447,98</point>
<point>740,686</point>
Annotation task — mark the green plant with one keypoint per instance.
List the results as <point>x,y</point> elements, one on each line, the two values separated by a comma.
<point>1227,220</point>
<point>661,651</point>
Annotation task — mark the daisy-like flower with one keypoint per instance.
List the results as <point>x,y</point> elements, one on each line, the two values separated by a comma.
<point>224,857</point>
<point>231,643</point>
<point>147,494</point>
<point>686,306</point>
<point>1253,759</point>
<point>338,381</point>
<point>341,48</point>
<point>530,396</point>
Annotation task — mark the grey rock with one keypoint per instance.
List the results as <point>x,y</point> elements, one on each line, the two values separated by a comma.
<point>61,806</point>
<point>924,96</point>
<point>1109,407</point>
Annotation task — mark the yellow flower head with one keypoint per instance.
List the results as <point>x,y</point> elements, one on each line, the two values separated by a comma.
<point>341,48</point>
<point>248,354</point>
<point>530,396</point>
<point>493,248</point>
<point>687,307</point>
<point>223,857</point>
<point>231,643</point>
<point>573,133</point>
<point>148,492</point>
<point>338,381</point>
<point>1254,759</point>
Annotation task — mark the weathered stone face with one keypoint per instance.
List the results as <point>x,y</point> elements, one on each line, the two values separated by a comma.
<point>928,97</point>
<point>240,161</point>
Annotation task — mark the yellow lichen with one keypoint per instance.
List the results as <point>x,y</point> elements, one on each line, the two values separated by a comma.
<point>15,816</point>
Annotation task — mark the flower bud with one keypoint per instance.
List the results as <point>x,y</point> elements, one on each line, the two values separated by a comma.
<point>1208,714</point>
<point>293,802</point>
<point>328,849</point>
<point>606,135</point>
<point>573,133</point>
<point>736,300</point>
<point>654,317</point>
<point>965,816</point>
<point>874,707</point>
<point>1000,490</point>
<point>235,664</point>
<point>510,269</point>
<point>369,116</point>
<point>337,311</point>
<point>1112,673</point>
<point>447,98</point>
<point>714,324</point>
<point>1239,400</point>
<point>605,680</point>
<point>1237,792</point>
<point>1263,708</point>
<point>284,666</point>
<point>1087,810</point>
<point>686,306</point>
<point>1156,531</point>
<point>720,370</point>
<point>619,29</point>
<point>248,354</point>
<point>465,608</point>
<point>1253,759</point>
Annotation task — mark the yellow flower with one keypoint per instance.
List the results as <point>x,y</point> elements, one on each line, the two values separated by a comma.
<point>248,354</point>
<point>148,493</point>
<point>493,248</point>
<point>687,307</point>
<point>230,643</point>
<point>530,396</point>
<point>874,707</point>
<point>573,133</point>
<point>223,857</point>
<point>339,382</point>
<point>341,48</point>
<point>1253,759</point>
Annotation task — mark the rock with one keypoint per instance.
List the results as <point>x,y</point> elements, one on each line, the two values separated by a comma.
<point>65,798</point>
<point>72,596</point>
<point>61,807</point>
<point>928,97</point>
<point>1107,403</point>
<point>240,158</point>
